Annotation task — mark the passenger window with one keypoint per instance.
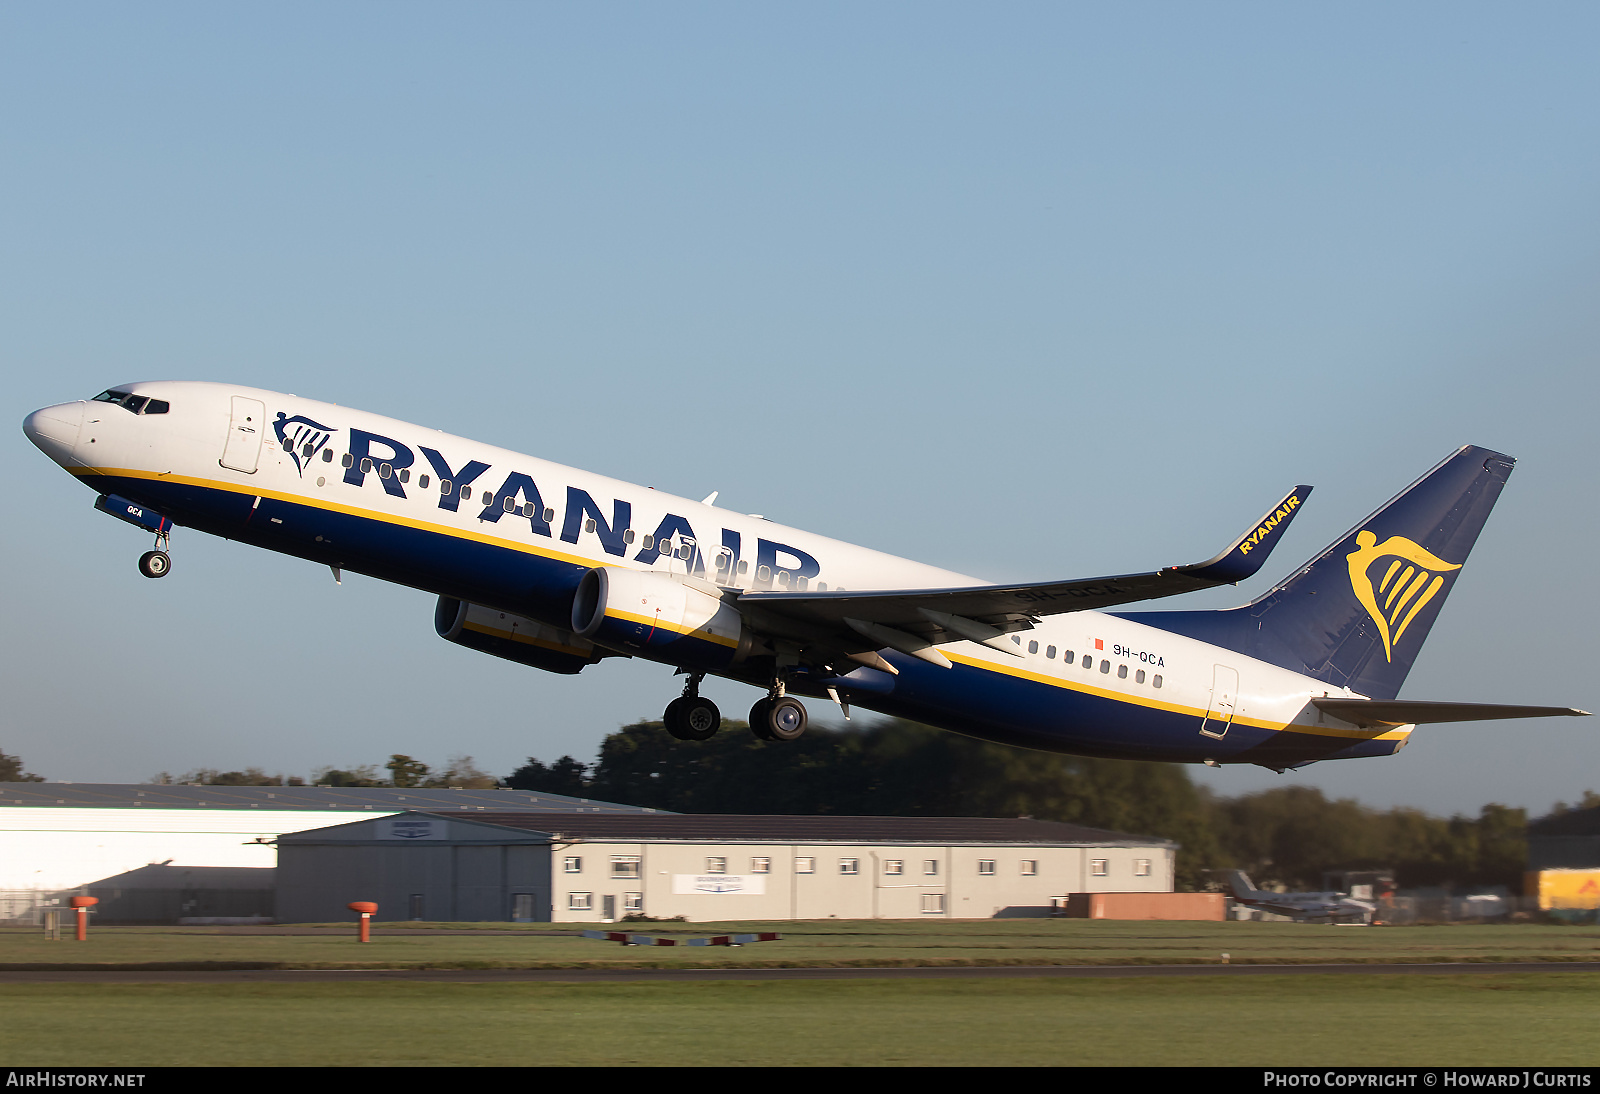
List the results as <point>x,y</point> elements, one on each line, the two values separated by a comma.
<point>1017,638</point>
<point>1069,657</point>
<point>627,535</point>
<point>1122,672</point>
<point>488,497</point>
<point>1033,647</point>
<point>305,450</point>
<point>744,567</point>
<point>1088,661</point>
<point>684,550</point>
<point>801,583</point>
<point>822,586</point>
<point>549,515</point>
<point>1138,677</point>
<point>648,541</point>
<point>783,578</point>
<point>589,525</point>
<point>347,461</point>
<point>509,505</point>
<point>763,573</point>
<point>1105,666</point>
<point>405,474</point>
<point>1156,680</point>
<point>422,482</point>
<point>385,470</point>
<point>446,486</point>
<point>366,465</point>
<point>1050,652</point>
<point>527,510</point>
<point>327,455</point>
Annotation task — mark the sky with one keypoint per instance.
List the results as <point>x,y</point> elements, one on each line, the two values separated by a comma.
<point>1027,291</point>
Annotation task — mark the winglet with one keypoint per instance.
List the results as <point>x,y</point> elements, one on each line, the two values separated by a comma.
<point>1249,551</point>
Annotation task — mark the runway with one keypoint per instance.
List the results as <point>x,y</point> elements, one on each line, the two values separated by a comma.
<point>614,976</point>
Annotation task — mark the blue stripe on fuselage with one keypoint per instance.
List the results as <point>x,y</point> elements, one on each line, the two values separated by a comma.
<point>979,702</point>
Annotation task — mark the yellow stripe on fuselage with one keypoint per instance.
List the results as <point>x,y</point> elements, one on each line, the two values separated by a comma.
<point>1197,713</point>
<point>579,560</point>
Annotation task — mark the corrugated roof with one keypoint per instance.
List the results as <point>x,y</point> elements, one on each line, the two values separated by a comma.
<point>352,798</point>
<point>802,829</point>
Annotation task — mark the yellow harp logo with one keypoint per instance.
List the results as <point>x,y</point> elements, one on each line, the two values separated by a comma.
<point>1407,584</point>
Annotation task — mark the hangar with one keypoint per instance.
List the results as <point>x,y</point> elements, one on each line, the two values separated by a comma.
<point>595,867</point>
<point>57,836</point>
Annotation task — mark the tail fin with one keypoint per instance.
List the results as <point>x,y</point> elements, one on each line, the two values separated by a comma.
<point>1239,882</point>
<point>1356,615</point>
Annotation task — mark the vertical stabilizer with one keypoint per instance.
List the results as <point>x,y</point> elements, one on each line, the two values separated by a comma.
<point>1356,615</point>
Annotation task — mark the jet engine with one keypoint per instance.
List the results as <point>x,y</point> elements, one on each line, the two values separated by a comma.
<point>514,637</point>
<point>660,616</point>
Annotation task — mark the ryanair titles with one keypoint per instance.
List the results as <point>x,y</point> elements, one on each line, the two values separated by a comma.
<point>518,496</point>
<point>1265,528</point>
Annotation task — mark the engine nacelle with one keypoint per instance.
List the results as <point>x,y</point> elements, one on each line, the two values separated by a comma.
<point>658,616</point>
<point>514,637</point>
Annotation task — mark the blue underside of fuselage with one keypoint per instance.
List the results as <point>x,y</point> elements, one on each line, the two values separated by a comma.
<point>978,702</point>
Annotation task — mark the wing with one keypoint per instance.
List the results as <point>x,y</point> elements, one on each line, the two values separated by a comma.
<point>915,620</point>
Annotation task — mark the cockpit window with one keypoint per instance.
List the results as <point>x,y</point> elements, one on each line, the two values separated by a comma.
<point>135,404</point>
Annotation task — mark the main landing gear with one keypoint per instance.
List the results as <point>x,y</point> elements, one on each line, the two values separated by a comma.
<point>778,718</point>
<point>156,563</point>
<point>692,717</point>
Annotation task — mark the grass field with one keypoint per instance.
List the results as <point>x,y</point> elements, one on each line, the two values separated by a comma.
<point>1543,1019</point>
<point>837,943</point>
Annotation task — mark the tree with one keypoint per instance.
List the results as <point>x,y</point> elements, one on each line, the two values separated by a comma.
<point>404,771</point>
<point>11,771</point>
<point>565,776</point>
<point>365,775</point>
<point>464,773</point>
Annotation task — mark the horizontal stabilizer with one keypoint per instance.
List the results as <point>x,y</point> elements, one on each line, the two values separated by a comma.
<point>1372,714</point>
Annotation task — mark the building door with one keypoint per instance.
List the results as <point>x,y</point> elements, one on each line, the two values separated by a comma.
<point>1224,698</point>
<point>608,909</point>
<point>243,447</point>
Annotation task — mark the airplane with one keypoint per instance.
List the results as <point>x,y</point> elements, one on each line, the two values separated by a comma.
<point>557,568</point>
<point>1333,907</point>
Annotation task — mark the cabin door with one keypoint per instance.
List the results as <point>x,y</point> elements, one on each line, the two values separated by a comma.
<point>1224,698</point>
<point>243,447</point>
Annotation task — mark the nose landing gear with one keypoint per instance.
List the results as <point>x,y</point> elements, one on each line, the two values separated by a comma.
<point>692,717</point>
<point>156,563</point>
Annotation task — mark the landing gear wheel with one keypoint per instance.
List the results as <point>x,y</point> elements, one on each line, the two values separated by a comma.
<point>692,718</point>
<point>155,564</point>
<point>781,719</point>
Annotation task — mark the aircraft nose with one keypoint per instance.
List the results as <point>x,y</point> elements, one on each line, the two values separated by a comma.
<point>54,429</point>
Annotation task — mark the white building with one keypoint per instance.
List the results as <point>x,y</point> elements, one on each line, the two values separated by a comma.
<point>589,867</point>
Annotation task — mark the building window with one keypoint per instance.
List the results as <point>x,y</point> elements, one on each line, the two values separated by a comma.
<point>625,865</point>
<point>933,904</point>
<point>716,865</point>
<point>849,866</point>
<point>572,864</point>
<point>986,867</point>
<point>930,866</point>
<point>580,902</point>
<point>805,865</point>
<point>1099,867</point>
<point>894,866</point>
<point>633,903</point>
<point>1141,867</point>
<point>761,865</point>
<point>1030,867</point>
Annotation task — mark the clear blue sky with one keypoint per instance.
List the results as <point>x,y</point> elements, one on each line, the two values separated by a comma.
<point>1023,290</point>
